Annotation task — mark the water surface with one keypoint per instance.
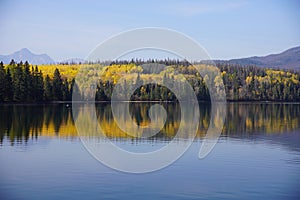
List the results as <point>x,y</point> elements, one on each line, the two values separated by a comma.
<point>257,155</point>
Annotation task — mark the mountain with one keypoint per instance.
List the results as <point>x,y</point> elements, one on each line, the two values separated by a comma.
<point>289,59</point>
<point>24,54</point>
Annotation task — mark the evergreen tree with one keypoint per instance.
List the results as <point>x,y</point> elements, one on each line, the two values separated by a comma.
<point>65,90</point>
<point>71,89</point>
<point>18,83</point>
<point>39,84</point>
<point>48,89</point>
<point>8,87</point>
<point>27,89</point>
<point>57,85</point>
<point>2,82</point>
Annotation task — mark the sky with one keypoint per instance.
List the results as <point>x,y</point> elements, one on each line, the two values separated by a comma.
<point>72,29</point>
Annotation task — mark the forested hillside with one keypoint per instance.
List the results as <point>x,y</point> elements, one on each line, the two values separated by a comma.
<point>22,82</point>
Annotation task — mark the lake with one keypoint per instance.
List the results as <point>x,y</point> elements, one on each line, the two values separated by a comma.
<point>257,155</point>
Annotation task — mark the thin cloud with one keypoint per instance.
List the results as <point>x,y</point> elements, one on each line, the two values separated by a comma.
<point>198,8</point>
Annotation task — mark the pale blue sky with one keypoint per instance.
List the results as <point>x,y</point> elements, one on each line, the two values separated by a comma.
<point>226,29</point>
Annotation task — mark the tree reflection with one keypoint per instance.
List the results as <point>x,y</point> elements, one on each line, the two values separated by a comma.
<point>19,123</point>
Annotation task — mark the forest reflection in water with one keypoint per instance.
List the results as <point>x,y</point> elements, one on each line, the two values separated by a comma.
<point>20,123</point>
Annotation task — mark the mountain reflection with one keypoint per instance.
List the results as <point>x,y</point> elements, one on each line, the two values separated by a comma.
<point>20,123</point>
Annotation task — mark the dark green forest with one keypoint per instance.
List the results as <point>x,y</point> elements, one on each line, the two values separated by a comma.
<point>25,83</point>
<point>22,82</point>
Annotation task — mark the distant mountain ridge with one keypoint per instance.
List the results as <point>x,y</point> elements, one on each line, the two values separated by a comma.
<point>26,55</point>
<point>289,59</point>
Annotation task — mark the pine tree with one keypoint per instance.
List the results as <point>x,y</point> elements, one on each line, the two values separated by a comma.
<point>57,86</point>
<point>48,89</point>
<point>8,87</point>
<point>71,89</point>
<point>65,90</point>
<point>27,89</point>
<point>2,82</point>
<point>18,84</point>
<point>39,84</point>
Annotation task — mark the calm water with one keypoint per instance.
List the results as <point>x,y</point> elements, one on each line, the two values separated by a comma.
<point>257,156</point>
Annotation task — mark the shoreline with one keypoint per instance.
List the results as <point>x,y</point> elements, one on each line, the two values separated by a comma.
<point>106,102</point>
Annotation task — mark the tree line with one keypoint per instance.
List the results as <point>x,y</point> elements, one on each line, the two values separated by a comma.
<point>22,82</point>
